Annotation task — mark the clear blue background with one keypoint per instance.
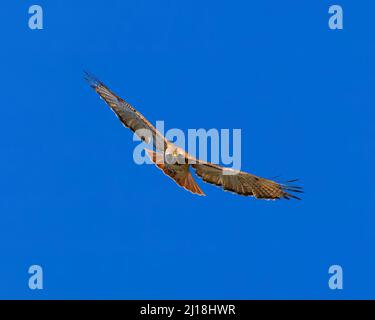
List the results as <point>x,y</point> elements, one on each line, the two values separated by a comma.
<point>73,201</point>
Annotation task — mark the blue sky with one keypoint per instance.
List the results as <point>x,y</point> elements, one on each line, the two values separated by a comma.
<point>73,201</point>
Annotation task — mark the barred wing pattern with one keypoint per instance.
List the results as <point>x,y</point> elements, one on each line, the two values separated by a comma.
<point>130,117</point>
<point>239,182</point>
<point>244,183</point>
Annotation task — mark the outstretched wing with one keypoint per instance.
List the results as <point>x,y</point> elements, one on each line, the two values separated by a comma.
<point>244,183</point>
<point>130,117</point>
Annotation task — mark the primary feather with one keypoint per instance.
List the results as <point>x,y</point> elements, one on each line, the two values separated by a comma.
<point>239,182</point>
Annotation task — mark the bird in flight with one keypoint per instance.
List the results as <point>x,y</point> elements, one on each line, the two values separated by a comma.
<point>235,181</point>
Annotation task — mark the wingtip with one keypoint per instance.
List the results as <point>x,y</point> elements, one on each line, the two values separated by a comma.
<point>288,189</point>
<point>91,79</point>
<point>288,196</point>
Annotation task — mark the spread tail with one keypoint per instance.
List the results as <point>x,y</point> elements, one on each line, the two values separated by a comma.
<point>179,173</point>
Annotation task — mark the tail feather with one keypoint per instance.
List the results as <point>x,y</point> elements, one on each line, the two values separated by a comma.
<point>179,173</point>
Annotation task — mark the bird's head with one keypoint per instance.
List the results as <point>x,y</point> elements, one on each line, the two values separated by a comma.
<point>175,155</point>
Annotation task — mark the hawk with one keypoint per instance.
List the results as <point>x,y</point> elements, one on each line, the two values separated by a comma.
<point>235,181</point>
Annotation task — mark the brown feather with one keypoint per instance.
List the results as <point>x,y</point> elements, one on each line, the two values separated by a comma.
<point>179,173</point>
<point>129,116</point>
<point>243,183</point>
<point>238,182</point>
